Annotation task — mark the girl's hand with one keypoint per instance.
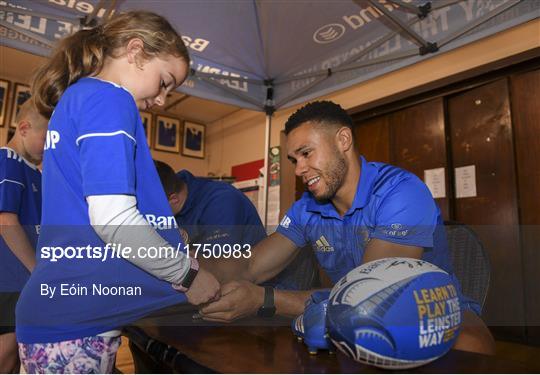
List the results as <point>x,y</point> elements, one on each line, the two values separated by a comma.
<point>205,288</point>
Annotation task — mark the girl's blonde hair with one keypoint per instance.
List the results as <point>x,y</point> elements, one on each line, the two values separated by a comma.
<point>83,53</point>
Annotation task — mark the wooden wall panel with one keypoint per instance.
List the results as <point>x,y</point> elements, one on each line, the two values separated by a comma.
<point>372,139</point>
<point>481,135</point>
<point>525,97</point>
<point>418,142</point>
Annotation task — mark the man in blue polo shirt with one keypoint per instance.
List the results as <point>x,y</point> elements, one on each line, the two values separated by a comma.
<point>216,213</point>
<point>354,212</point>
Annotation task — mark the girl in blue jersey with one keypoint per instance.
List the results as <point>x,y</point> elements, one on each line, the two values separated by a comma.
<point>97,267</point>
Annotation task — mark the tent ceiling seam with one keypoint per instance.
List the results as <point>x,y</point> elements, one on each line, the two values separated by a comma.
<point>357,58</point>
<point>387,58</point>
<point>355,65</point>
<point>241,96</point>
<point>443,4</point>
<point>297,94</point>
<point>259,34</point>
<point>195,73</point>
<point>486,17</point>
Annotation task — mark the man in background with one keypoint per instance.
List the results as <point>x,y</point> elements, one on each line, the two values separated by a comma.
<point>216,213</point>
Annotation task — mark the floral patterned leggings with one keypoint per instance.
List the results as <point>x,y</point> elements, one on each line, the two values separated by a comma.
<point>89,355</point>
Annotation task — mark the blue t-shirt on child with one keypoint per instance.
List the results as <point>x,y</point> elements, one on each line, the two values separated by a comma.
<point>95,146</point>
<point>20,193</point>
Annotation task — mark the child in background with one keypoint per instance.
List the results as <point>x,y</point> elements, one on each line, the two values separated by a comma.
<point>20,215</point>
<point>99,188</point>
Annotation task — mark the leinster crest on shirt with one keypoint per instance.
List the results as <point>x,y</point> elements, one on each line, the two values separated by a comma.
<point>363,233</point>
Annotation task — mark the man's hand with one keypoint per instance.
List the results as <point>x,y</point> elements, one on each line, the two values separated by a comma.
<point>205,288</point>
<point>238,299</point>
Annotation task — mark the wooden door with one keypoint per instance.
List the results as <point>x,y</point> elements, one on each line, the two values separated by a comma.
<point>418,142</point>
<point>525,97</point>
<point>372,138</point>
<point>481,135</point>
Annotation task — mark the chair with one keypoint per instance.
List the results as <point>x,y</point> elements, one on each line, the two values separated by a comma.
<point>470,261</point>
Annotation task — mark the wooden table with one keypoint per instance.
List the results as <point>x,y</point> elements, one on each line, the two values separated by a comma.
<point>268,346</point>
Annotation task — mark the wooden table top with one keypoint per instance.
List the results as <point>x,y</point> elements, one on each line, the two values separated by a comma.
<point>268,346</point>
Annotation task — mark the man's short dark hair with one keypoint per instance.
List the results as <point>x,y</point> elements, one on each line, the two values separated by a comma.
<point>170,181</point>
<point>320,112</point>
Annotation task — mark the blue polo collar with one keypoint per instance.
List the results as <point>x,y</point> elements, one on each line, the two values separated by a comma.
<point>368,173</point>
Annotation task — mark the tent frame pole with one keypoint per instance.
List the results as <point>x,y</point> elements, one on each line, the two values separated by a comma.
<point>269,109</point>
<point>415,37</point>
<point>421,10</point>
<point>266,177</point>
<point>486,17</point>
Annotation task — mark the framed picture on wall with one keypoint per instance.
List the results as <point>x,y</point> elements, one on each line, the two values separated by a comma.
<point>146,118</point>
<point>167,134</point>
<point>20,95</point>
<point>4,91</point>
<point>193,140</point>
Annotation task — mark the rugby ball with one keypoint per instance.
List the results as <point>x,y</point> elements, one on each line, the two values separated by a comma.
<point>394,313</point>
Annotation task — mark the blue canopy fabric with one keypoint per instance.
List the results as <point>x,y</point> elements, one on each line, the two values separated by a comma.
<point>272,54</point>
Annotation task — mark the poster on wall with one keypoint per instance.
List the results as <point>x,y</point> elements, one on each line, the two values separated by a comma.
<point>435,181</point>
<point>273,160</point>
<point>465,181</point>
<point>21,94</point>
<point>167,134</point>
<point>193,140</point>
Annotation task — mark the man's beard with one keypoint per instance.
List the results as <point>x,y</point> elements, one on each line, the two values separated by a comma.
<point>334,178</point>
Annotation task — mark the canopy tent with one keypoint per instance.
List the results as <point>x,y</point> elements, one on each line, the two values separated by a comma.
<point>269,55</point>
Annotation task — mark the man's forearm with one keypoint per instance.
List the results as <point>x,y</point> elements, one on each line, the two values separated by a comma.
<point>17,241</point>
<point>269,258</point>
<point>225,270</point>
<point>291,303</point>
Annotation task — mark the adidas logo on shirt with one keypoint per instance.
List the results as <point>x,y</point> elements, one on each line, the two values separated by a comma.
<point>323,245</point>
<point>12,154</point>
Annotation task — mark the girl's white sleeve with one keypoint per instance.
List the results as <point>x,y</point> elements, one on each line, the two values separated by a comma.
<point>117,220</point>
